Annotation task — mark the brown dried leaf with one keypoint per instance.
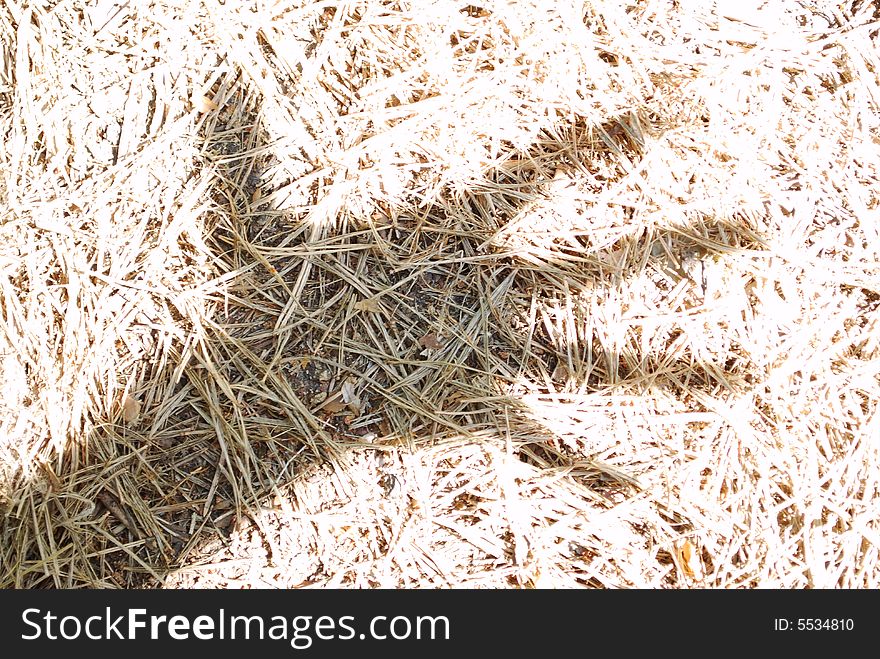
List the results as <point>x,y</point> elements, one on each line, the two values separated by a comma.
<point>431,342</point>
<point>370,305</point>
<point>334,405</point>
<point>131,409</point>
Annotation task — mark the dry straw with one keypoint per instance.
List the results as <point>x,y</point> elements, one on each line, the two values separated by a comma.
<point>436,294</point>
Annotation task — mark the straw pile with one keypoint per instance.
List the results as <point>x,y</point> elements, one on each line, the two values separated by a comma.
<point>435,294</point>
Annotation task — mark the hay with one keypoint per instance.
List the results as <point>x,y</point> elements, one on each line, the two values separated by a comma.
<point>392,294</point>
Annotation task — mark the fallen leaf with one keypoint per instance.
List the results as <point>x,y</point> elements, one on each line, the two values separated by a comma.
<point>431,342</point>
<point>370,304</point>
<point>350,397</point>
<point>131,409</point>
<point>203,104</point>
<point>334,405</point>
